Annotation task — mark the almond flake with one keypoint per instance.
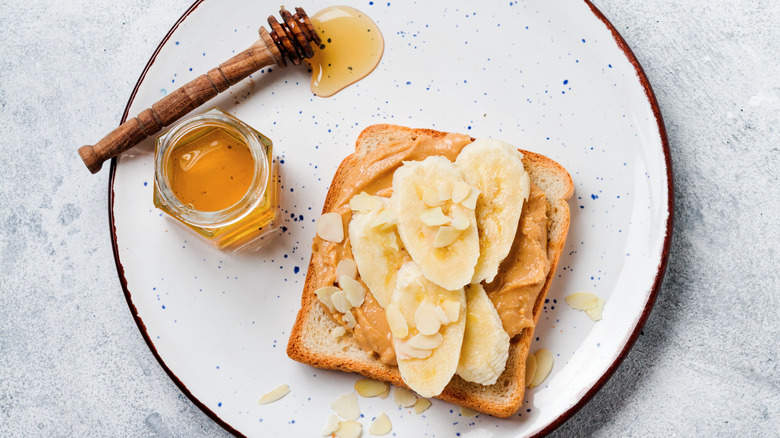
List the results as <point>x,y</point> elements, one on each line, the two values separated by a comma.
<point>385,219</point>
<point>364,203</point>
<point>595,313</point>
<point>441,315</point>
<point>338,332</point>
<point>434,217</point>
<point>349,429</point>
<point>346,406</point>
<point>355,291</point>
<point>425,318</point>
<point>370,388</point>
<point>346,267</point>
<point>460,190</point>
<point>530,369</point>
<point>331,425</point>
<point>582,300</point>
<point>324,294</point>
<point>403,397</point>
<point>460,220</point>
<point>430,197</point>
<point>380,426</point>
<point>340,301</point>
<point>385,394</point>
<point>544,364</point>
<point>349,319</point>
<point>451,309</point>
<point>274,395</point>
<point>425,342</point>
<point>411,352</point>
<point>471,200</point>
<point>445,191</point>
<point>395,319</point>
<point>445,236</point>
<point>330,227</point>
<point>421,406</point>
<point>466,412</point>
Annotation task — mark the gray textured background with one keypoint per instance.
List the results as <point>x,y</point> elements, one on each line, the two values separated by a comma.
<point>72,362</point>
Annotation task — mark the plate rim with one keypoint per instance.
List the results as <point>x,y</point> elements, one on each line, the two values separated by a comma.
<point>589,394</point>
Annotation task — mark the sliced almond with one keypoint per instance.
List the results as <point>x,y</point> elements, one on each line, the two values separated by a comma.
<point>425,318</point>
<point>330,227</point>
<point>544,364</point>
<point>349,319</point>
<point>346,267</point>
<point>385,219</point>
<point>340,301</point>
<point>385,394</point>
<point>395,319</point>
<point>331,425</point>
<point>349,429</point>
<point>370,388</point>
<point>445,236</point>
<point>421,406</point>
<point>338,332</point>
<point>441,315</point>
<point>451,309</point>
<point>346,406</point>
<point>471,200</point>
<point>530,369</point>
<point>595,313</point>
<point>434,217</point>
<point>403,397</point>
<point>425,342</point>
<point>430,197</point>
<point>274,395</point>
<point>460,221</point>
<point>582,300</point>
<point>380,426</point>
<point>466,412</point>
<point>460,190</point>
<point>445,191</point>
<point>416,353</point>
<point>355,291</point>
<point>324,294</point>
<point>363,202</point>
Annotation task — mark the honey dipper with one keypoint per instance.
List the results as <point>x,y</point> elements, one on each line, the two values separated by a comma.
<point>289,39</point>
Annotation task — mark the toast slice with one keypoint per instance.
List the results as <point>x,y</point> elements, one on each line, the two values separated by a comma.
<point>312,341</point>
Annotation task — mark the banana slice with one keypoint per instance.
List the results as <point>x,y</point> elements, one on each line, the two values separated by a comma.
<point>494,168</point>
<point>485,343</point>
<point>427,373</point>
<point>448,260</point>
<point>377,250</point>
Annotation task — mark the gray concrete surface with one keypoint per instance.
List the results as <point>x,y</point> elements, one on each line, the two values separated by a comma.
<point>72,362</point>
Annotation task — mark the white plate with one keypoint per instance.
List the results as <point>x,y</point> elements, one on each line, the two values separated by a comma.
<point>551,77</point>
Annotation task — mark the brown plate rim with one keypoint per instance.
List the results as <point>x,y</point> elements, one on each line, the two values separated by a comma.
<point>622,45</point>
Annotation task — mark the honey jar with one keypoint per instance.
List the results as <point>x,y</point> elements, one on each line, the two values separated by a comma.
<point>215,174</point>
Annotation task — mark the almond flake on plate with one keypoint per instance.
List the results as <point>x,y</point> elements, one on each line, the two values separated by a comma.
<point>331,425</point>
<point>370,387</point>
<point>349,429</point>
<point>466,412</point>
<point>274,395</point>
<point>380,426</point>
<point>544,364</point>
<point>403,397</point>
<point>421,405</point>
<point>346,406</point>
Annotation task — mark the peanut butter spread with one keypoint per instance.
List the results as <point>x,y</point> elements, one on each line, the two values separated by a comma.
<point>520,278</point>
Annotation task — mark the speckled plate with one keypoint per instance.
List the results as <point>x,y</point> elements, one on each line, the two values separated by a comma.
<point>549,76</point>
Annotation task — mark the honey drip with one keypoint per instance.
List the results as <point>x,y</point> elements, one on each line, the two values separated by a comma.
<point>352,46</point>
<point>211,170</point>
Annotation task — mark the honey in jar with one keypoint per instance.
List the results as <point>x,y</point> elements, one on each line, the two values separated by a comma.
<point>214,174</point>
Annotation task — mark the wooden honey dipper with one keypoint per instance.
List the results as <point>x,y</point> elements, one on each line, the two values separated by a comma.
<point>290,39</point>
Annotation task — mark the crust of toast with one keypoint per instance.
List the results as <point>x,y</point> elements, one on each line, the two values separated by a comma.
<point>312,343</point>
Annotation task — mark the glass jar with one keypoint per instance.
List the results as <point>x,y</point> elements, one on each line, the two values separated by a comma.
<point>215,174</point>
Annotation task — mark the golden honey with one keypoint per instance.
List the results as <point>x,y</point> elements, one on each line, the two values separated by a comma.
<point>351,48</point>
<point>214,174</point>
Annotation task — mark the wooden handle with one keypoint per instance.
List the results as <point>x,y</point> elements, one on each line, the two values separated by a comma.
<point>180,102</point>
<point>290,39</point>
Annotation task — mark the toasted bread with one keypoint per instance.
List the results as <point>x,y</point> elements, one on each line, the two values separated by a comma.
<point>311,341</point>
